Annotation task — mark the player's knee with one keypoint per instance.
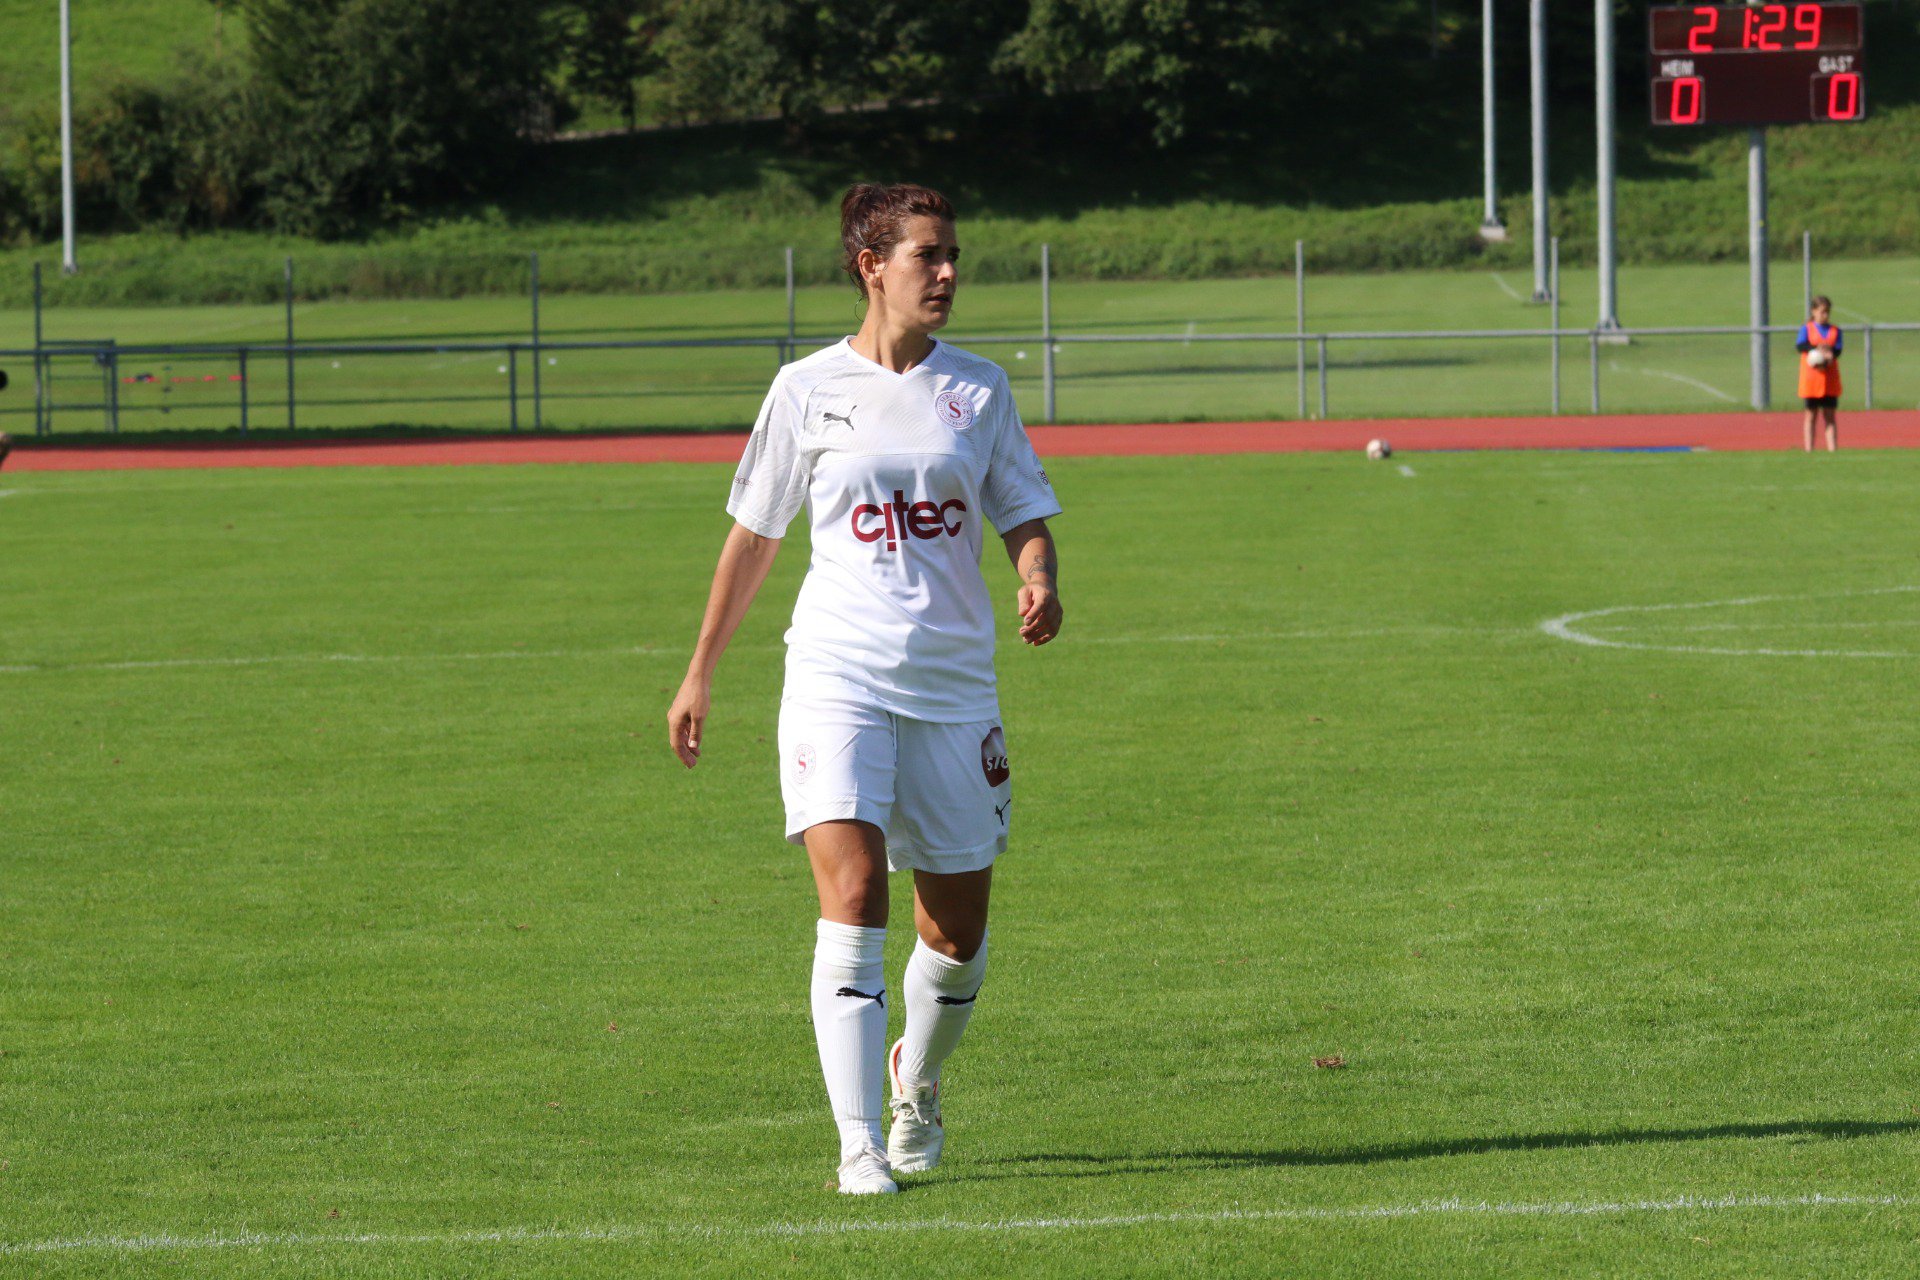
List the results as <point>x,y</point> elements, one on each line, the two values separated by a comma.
<point>957,940</point>
<point>861,900</point>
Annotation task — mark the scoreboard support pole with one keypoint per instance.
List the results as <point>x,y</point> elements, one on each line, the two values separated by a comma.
<point>1762,373</point>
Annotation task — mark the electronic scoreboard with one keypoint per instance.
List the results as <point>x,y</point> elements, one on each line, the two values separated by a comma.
<point>1757,64</point>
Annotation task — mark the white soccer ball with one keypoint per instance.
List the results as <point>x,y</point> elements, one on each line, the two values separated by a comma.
<point>1819,356</point>
<point>1378,449</point>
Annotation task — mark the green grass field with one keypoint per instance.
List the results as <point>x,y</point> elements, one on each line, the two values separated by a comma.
<point>723,388</point>
<point>350,898</point>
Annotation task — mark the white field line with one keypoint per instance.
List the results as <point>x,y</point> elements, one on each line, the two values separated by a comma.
<point>1506,288</point>
<point>650,651</point>
<point>1408,471</point>
<point>166,1243</point>
<point>1769,626</point>
<point>278,659</point>
<point>1849,312</point>
<point>1564,627</point>
<point>1323,633</point>
<point>1670,376</point>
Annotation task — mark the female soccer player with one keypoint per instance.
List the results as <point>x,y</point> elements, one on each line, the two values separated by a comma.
<point>1819,344</point>
<point>891,750</point>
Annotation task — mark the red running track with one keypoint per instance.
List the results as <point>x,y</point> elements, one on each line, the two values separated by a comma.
<point>1877,429</point>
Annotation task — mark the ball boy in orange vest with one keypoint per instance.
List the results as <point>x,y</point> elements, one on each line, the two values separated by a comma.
<point>1819,344</point>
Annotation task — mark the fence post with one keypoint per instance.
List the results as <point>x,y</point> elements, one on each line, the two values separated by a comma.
<point>535,264</point>
<point>1300,327</point>
<point>39,362</point>
<point>1806,271</point>
<point>1593,364</point>
<point>1866,331</point>
<point>1553,287</point>
<point>112,363</point>
<point>242,352</point>
<point>1046,323</point>
<point>290,396</point>
<point>513,387</point>
<point>790,333</point>
<point>1323,377</point>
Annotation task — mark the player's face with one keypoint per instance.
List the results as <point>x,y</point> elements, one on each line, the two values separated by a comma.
<point>1820,315</point>
<point>920,277</point>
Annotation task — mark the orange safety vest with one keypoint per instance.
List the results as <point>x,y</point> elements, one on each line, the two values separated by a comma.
<point>1822,381</point>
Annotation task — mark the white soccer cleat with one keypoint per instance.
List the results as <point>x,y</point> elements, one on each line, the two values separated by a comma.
<point>914,1142</point>
<point>866,1174</point>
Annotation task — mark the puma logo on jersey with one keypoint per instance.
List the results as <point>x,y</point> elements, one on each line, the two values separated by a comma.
<point>878,997</point>
<point>846,417</point>
<point>1000,812</point>
<point>899,520</point>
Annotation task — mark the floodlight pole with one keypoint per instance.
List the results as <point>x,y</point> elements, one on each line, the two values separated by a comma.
<point>1537,83</point>
<point>1603,121</point>
<point>67,263</point>
<point>1490,228</point>
<point>1762,373</point>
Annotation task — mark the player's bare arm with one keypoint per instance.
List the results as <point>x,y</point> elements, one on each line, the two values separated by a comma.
<point>745,559</point>
<point>1037,561</point>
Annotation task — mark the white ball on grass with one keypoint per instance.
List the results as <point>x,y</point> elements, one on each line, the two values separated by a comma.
<point>1378,449</point>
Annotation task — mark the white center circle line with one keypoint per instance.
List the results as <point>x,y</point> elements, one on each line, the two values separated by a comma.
<point>1564,627</point>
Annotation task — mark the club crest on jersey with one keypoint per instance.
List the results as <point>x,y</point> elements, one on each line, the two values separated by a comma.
<point>993,757</point>
<point>802,762</point>
<point>954,409</point>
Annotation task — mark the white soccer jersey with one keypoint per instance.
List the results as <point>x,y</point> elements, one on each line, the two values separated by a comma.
<point>900,473</point>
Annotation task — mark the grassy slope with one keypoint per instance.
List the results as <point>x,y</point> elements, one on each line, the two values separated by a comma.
<point>131,39</point>
<point>723,388</point>
<point>1366,186</point>
<point>322,938</point>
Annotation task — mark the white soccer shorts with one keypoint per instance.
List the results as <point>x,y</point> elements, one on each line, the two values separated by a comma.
<point>942,793</point>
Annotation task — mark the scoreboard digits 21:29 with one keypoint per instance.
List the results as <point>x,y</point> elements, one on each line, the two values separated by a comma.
<point>1757,64</point>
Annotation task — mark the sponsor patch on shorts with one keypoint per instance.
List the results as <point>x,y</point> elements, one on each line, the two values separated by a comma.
<point>993,757</point>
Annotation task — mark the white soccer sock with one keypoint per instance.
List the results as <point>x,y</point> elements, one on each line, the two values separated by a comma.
<point>939,994</point>
<point>850,1025</point>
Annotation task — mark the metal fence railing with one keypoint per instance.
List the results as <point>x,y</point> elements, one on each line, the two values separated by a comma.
<point>107,385</point>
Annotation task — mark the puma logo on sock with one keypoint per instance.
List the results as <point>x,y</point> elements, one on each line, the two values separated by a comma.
<point>958,999</point>
<point>878,997</point>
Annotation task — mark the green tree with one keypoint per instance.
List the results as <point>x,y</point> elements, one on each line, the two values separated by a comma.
<point>1192,64</point>
<point>377,106</point>
<point>610,46</point>
<point>725,58</point>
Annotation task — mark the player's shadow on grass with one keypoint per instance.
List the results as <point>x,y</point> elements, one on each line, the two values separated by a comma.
<point>1089,1165</point>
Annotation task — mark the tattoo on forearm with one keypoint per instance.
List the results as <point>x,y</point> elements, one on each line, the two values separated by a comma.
<point>1042,565</point>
